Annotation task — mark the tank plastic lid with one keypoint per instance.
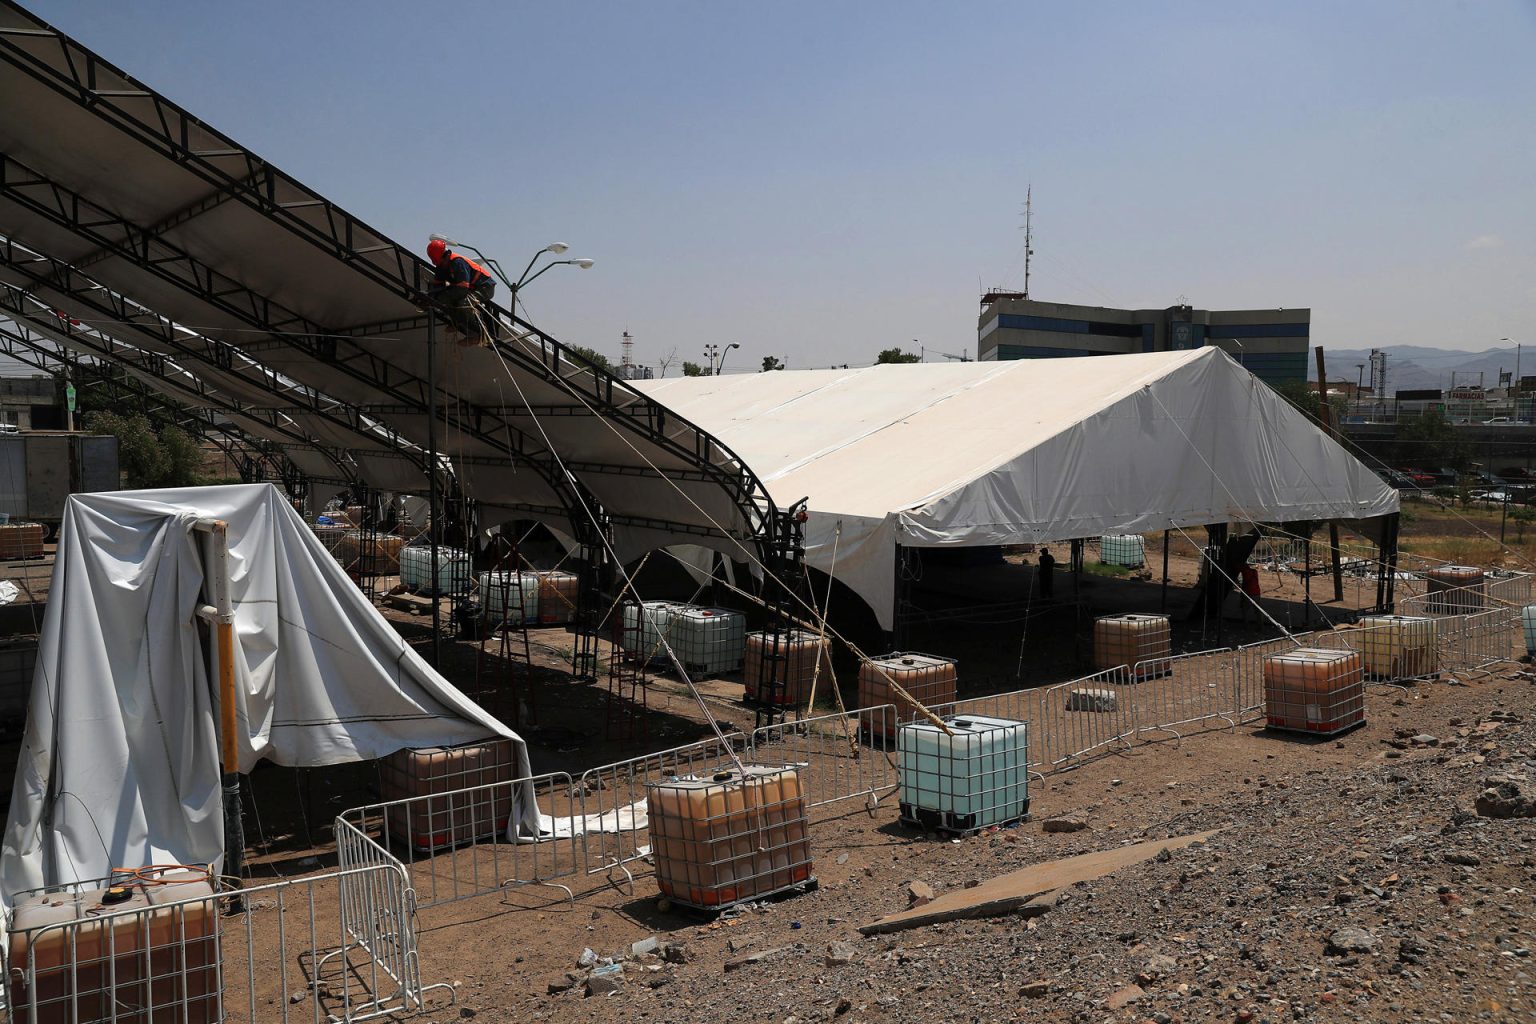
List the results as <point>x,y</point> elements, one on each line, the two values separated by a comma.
<point>909,661</point>
<point>116,894</point>
<point>723,776</point>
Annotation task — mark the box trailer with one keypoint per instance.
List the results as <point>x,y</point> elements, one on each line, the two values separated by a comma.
<point>40,469</point>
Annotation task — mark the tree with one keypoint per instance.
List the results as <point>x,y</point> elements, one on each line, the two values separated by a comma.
<point>168,457</point>
<point>590,356</point>
<point>771,363</point>
<point>1300,394</point>
<point>667,360</point>
<point>692,369</point>
<point>896,355</point>
<point>1431,440</point>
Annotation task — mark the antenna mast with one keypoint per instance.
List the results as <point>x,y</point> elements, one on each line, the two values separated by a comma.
<point>1029,239</point>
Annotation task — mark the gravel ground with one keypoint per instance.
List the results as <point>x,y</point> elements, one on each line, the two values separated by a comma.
<point>1354,878</point>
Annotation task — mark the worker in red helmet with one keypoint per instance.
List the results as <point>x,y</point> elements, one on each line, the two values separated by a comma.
<point>461,291</point>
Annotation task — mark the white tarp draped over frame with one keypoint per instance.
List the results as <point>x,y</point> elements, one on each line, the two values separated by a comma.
<point>120,765</point>
<point>1023,452</point>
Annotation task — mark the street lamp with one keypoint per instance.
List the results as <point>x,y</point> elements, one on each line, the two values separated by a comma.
<point>714,356</point>
<point>720,366</point>
<point>552,249</point>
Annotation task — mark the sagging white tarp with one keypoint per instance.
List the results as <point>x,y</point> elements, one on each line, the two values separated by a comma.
<point>1022,452</point>
<point>120,762</point>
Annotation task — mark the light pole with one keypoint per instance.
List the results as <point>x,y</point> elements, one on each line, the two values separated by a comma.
<point>720,366</point>
<point>714,356</point>
<point>1516,388</point>
<point>553,248</point>
<point>1359,382</point>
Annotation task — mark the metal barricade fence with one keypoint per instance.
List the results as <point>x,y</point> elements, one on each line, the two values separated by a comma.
<point>615,790</point>
<point>1279,551</point>
<point>1488,637</point>
<point>839,756</point>
<point>1511,591</point>
<point>291,955</point>
<point>454,845</point>
<point>1181,690</point>
<point>1013,706</point>
<point>1249,675</point>
<point>1080,716</point>
<point>378,910</point>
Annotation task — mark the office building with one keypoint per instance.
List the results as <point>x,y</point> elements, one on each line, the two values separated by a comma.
<point>1271,343</point>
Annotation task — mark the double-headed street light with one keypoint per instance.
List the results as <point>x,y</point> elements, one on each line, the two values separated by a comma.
<point>553,249</point>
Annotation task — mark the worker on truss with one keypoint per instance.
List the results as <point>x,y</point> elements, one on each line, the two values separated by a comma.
<point>461,292</point>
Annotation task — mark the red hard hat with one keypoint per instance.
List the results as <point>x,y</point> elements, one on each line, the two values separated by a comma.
<point>435,250</point>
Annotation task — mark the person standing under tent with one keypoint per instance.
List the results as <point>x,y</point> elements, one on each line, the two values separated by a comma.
<point>461,291</point>
<point>1047,574</point>
<point>1250,589</point>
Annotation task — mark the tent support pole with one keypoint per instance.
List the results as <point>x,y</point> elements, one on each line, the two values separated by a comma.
<point>434,514</point>
<point>1393,522</point>
<point>1306,607</point>
<point>1163,601</point>
<point>221,615</point>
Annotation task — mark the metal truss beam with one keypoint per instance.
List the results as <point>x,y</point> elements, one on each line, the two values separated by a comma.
<point>122,239</point>
<point>36,314</point>
<point>75,73</point>
<point>24,344</point>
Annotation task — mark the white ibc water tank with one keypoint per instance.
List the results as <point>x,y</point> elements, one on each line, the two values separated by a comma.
<point>1128,549</point>
<point>975,778</point>
<point>509,596</point>
<point>452,575</point>
<point>644,626</point>
<point>708,639</point>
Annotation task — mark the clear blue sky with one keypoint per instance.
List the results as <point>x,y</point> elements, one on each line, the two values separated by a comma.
<point>822,180</point>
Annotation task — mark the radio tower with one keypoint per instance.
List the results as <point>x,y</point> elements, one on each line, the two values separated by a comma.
<point>627,356</point>
<point>1029,237</point>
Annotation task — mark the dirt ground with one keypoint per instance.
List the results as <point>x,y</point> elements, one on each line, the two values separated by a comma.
<point>1370,831</point>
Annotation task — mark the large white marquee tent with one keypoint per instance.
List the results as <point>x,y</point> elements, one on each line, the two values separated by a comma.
<point>1023,452</point>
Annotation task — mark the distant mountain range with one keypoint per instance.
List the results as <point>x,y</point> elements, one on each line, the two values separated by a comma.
<point>1411,367</point>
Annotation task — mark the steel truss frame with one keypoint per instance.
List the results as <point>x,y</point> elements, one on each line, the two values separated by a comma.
<point>234,174</point>
<point>24,307</point>
<point>118,237</point>
<point>29,313</point>
<point>256,457</point>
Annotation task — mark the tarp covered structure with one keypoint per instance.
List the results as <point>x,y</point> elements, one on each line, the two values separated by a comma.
<point>120,761</point>
<point>1023,452</point>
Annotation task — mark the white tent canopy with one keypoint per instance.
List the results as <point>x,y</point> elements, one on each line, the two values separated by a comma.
<point>120,764</point>
<point>1023,452</point>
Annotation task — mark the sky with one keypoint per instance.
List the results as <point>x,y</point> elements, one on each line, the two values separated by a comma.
<point>819,181</point>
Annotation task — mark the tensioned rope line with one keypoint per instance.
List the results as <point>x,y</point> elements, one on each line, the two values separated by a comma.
<point>677,664</point>
<point>751,556</point>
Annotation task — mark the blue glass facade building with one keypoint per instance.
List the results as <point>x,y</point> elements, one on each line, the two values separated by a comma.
<point>1271,343</point>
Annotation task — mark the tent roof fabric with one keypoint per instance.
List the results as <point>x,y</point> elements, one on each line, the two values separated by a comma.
<point>104,181</point>
<point>1026,451</point>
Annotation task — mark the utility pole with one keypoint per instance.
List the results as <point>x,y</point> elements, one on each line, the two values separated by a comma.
<point>1325,412</point>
